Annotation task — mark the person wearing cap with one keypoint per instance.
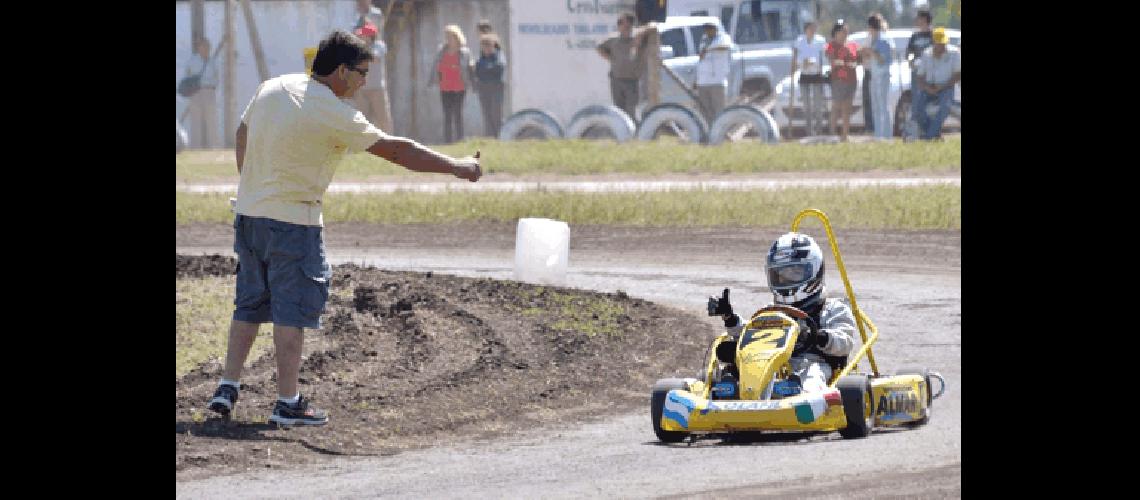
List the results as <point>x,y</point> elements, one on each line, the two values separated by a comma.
<point>712,71</point>
<point>807,57</point>
<point>372,98</point>
<point>489,69</point>
<point>938,70</point>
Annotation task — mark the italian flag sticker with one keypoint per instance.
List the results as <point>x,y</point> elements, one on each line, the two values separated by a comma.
<point>815,404</point>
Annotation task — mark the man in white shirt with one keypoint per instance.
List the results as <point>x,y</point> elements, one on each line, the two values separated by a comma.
<point>203,104</point>
<point>292,135</point>
<point>712,71</point>
<point>807,56</point>
<point>938,70</point>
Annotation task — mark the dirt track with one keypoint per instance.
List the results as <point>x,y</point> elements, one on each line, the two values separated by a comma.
<point>908,283</point>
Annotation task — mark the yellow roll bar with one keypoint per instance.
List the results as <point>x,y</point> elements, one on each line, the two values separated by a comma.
<point>860,318</point>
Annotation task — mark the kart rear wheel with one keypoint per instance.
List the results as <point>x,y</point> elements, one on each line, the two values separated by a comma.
<point>929,393</point>
<point>858,405</point>
<point>657,404</point>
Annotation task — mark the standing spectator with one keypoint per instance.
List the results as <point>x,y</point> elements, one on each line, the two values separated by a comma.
<point>204,103</point>
<point>372,98</point>
<point>451,71</point>
<point>489,83</point>
<point>939,69</point>
<point>626,55</point>
<point>919,40</point>
<point>877,57</point>
<point>292,135</point>
<point>843,58</point>
<point>712,71</point>
<point>366,12</point>
<point>807,56</point>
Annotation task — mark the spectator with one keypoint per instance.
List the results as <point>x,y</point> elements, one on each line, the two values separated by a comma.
<point>451,71</point>
<point>372,98</point>
<point>807,56</point>
<point>366,12</point>
<point>625,53</point>
<point>939,69</point>
<point>843,58</point>
<point>292,135</point>
<point>919,40</point>
<point>712,71</point>
<point>484,28</point>
<point>489,83</point>
<point>877,57</point>
<point>203,104</point>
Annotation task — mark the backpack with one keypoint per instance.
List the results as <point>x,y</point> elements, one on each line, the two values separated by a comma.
<point>190,85</point>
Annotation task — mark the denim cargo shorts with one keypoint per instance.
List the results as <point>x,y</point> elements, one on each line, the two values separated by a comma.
<point>282,274</point>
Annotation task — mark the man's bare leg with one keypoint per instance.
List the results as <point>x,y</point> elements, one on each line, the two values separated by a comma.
<point>242,334</point>
<point>288,341</point>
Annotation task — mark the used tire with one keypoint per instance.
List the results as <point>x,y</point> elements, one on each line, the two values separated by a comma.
<point>929,393</point>
<point>672,119</point>
<point>657,405</point>
<point>530,124</point>
<point>858,405</point>
<point>760,125</point>
<point>601,122</point>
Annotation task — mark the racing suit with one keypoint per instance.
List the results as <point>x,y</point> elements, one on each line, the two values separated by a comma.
<point>834,317</point>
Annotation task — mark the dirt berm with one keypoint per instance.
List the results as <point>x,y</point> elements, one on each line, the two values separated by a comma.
<point>405,360</point>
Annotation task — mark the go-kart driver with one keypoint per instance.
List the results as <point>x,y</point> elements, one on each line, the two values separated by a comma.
<point>795,275</point>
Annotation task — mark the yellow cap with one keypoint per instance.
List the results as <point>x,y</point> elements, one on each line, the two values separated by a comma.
<point>940,35</point>
<point>310,54</point>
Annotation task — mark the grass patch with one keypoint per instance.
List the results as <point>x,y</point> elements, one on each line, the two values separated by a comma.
<point>203,307</point>
<point>579,157</point>
<point>919,207</point>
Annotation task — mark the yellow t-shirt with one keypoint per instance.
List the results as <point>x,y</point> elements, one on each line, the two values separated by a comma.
<point>297,131</point>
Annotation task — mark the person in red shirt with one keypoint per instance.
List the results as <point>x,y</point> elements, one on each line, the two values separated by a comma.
<point>451,71</point>
<point>843,57</point>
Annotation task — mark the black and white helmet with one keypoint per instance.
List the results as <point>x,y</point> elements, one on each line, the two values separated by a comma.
<point>795,270</point>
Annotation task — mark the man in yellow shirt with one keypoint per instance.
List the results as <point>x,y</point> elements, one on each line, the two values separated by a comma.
<point>292,135</point>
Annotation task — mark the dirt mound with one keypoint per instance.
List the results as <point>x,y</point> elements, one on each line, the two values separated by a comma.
<point>405,360</point>
<point>197,266</point>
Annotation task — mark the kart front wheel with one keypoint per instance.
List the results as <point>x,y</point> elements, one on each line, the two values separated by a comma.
<point>657,405</point>
<point>858,405</point>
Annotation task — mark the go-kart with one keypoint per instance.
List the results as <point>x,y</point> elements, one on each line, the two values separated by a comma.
<point>747,383</point>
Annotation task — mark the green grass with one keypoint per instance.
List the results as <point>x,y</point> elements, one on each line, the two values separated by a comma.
<point>579,157</point>
<point>202,311</point>
<point>921,207</point>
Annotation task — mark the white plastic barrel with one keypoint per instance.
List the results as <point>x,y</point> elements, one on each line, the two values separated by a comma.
<point>542,251</point>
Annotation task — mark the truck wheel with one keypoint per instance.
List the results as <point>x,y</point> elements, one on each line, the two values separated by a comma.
<point>858,405</point>
<point>530,124</point>
<point>929,393</point>
<point>743,123</point>
<point>657,405</point>
<point>601,122</point>
<point>671,119</point>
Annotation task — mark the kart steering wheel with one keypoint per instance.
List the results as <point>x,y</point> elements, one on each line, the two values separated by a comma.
<point>806,337</point>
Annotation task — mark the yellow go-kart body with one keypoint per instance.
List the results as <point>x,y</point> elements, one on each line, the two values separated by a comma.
<point>853,403</point>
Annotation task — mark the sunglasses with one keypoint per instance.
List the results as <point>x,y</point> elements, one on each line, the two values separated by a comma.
<point>363,72</point>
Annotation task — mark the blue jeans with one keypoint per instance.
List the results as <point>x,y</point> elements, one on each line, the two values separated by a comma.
<point>880,105</point>
<point>282,275</point>
<point>930,128</point>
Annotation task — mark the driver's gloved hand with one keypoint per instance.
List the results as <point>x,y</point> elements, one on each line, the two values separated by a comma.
<point>821,338</point>
<point>809,330</point>
<point>721,307</point>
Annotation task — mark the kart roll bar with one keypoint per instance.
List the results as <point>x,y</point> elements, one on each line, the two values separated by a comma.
<point>860,318</point>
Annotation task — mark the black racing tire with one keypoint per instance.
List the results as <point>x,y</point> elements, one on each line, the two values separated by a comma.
<point>607,119</point>
<point>530,124</point>
<point>911,370</point>
<point>658,117</point>
<point>764,128</point>
<point>858,405</point>
<point>657,405</point>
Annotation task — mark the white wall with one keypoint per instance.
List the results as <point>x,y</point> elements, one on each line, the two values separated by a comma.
<point>285,29</point>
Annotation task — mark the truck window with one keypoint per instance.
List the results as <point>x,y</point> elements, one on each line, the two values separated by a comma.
<point>699,13</point>
<point>726,17</point>
<point>697,32</point>
<point>776,25</point>
<point>676,39</point>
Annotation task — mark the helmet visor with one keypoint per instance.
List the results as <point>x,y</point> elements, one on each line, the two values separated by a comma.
<point>789,275</point>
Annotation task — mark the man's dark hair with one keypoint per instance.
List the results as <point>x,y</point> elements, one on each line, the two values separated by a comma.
<point>875,22</point>
<point>839,26</point>
<point>926,14</point>
<point>338,48</point>
<point>808,23</point>
<point>629,18</point>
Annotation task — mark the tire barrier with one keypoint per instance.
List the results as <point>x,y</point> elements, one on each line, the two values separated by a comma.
<point>742,122</point>
<point>672,119</point>
<point>530,124</point>
<point>601,122</point>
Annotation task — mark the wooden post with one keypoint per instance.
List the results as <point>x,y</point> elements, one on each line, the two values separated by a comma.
<point>255,41</point>
<point>414,32</point>
<point>228,87</point>
<point>653,85</point>
<point>197,20</point>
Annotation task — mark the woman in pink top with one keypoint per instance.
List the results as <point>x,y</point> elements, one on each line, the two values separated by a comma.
<point>843,57</point>
<point>451,72</point>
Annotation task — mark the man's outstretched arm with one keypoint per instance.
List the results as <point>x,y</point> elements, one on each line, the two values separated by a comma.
<point>415,156</point>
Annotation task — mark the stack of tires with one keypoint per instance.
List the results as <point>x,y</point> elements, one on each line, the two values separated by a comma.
<point>735,123</point>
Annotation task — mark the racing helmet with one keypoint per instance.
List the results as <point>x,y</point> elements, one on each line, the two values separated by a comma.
<point>795,270</point>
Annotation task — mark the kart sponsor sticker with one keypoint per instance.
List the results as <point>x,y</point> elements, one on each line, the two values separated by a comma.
<point>897,405</point>
<point>678,407</point>
<point>741,406</point>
